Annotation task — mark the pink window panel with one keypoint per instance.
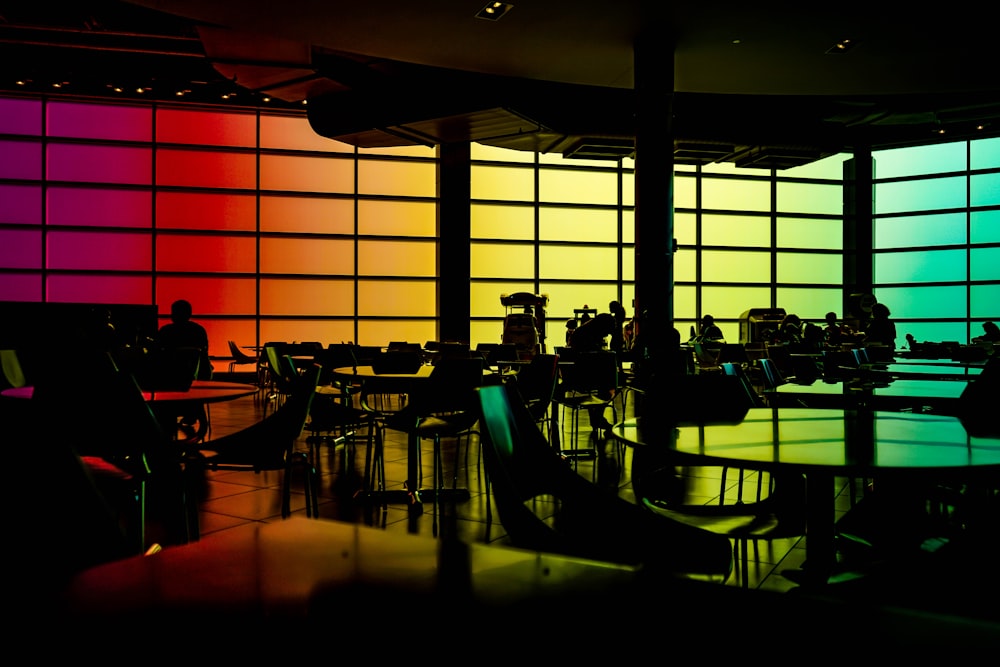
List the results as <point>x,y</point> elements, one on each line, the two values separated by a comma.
<point>20,249</point>
<point>100,164</point>
<point>100,207</point>
<point>206,169</point>
<point>21,159</point>
<point>209,128</point>
<point>213,295</point>
<point>99,289</point>
<point>21,287</point>
<point>99,121</point>
<point>20,116</point>
<point>22,204</point>
<point>195,210</point>
<point>99,251</point>
<point>219,254</point>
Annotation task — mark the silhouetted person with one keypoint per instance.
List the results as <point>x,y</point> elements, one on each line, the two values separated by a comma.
<point>881,329</point>
<point>835,332</point>
<point>790,329</point>
<point>183,332</point>
<point>617,342</point>
<point>590,336</point>
<point>991,333</point>
<point>709,329</point>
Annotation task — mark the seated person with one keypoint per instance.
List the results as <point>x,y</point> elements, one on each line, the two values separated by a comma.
<point>991,333</point>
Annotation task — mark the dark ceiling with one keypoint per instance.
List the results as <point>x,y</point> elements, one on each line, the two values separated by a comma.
<point>756,87</point>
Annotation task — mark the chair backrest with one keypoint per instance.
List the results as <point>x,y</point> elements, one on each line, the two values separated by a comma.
<point>281,367</point>
<point>267,444</point>
<point>537,382</point>
<point>771,376</point>
<point>13,373</point>
<point>451,386</point>
<point>239,355</point>
<point>736,370</point>
<point>397,361</point>
<point>593,372</point>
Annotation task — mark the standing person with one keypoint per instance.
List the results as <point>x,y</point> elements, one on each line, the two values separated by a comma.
<point>591,336</point>
<point>617,311</point>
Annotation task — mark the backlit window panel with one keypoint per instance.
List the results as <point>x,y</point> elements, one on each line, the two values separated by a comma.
<point>295,133</point>
<point>735,195</point>
<point>300,173</point>
<point>492,221</point>
<point>89,288</point>
<point>99,250</point>
<point>397,258</point>
<point>19,116</point>
<point>203,254</point>
<point>920,230</point>
<point>99,121</point>
<point>809,197</point>
<point>310,215</point>
<point>319,257</point>
<point>21,159</point>
<point>397,218</point>
<point>86,163</point>
<point>210,128</point>
<point>20,249</point>
<point>99,207</point>
<point>577,262</point>
<point>560,224</point>
<point>397,298</point>
<point>210,295</point>
<point>298,297</point>
<point>741,230</point>
<point>578,187</point>
<point>496,261</point>
<point>21,287</point>
<point>397,179</point>
<point>21,204</point>
<point>924,194</point>
<point>206,169</point>
<point>206,211</point>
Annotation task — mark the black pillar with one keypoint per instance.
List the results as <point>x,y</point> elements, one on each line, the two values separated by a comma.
<point>454,233</point>
<point>654,170</point>
<point>859,204</point>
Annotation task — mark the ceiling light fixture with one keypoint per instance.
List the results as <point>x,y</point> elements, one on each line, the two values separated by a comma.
<point>494,11</point>
<point>843,46</point>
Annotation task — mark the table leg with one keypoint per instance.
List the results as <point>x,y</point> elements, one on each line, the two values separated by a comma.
<point>821,556</point>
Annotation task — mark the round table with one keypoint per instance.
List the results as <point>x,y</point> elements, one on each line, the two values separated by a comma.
<point>201,391</point>
<point>821,444</point>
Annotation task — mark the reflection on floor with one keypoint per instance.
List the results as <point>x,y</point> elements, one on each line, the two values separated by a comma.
<point>233,498</point>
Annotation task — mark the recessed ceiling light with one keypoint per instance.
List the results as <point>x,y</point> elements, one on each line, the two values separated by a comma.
<point>494,11</point>
<point>843,46</point>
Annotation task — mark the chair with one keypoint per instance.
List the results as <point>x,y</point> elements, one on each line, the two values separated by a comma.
<point>447,409</point>
<point>544,505</point>
<point>239,357</point>
<point>765,515</point>
<point>590,382</point>
<point>131,455</point>
<point>282,373</point>
<point>537,382</point>
<point>270,445</point>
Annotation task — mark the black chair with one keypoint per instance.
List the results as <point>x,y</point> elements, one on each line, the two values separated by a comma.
<point>446,409</point>
<point>537,382</point>
<point>590,383</point>
<point>544,505</point>
<point>269,445</point>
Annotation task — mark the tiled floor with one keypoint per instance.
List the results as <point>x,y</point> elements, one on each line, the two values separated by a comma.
<point>234,498</point>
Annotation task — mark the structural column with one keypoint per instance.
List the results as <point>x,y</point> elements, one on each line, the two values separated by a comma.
<point>654,184</point>
<point>454,234</point>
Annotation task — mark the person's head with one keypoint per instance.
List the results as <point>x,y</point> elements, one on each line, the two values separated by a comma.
<point>180,311</point>
<point>831,318</point>
<point>605,322</point>
<point>707,321</point>
<point>880,310</point>
<point>616,308</point>
<point>991,328</point>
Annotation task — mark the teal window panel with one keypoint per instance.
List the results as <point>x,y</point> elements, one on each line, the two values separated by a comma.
<point>920,195</point>
<point>985,189</point>
<point>920,160</point>
<point>922,266</point>
<point>924,302</point>
<point>920,230</point>
<point>985,302</point>
<point>984,153</point>
<point>985,265</point>
<point>985,227</point>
